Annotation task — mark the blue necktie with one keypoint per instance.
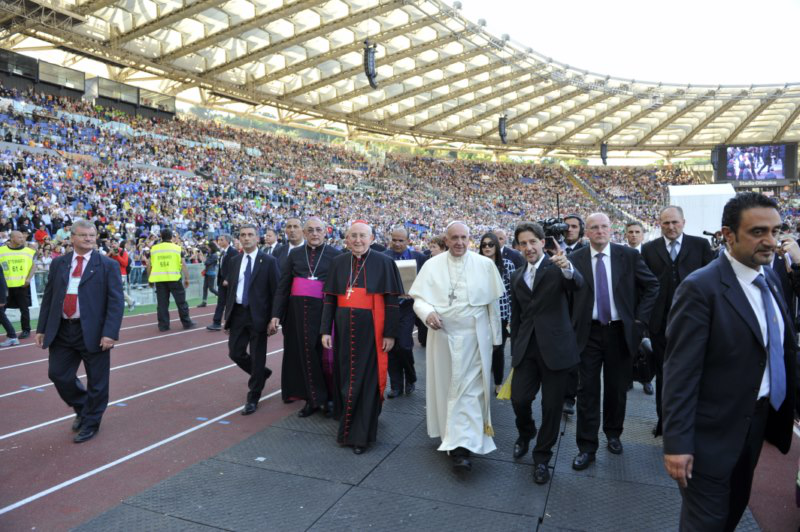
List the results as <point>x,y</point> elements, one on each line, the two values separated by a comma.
<point>777,373</point>
<point>246,290</point>
<point>601,291</point>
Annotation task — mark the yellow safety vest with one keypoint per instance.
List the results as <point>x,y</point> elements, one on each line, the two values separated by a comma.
<point>165,260</point>
<point>16,264</point>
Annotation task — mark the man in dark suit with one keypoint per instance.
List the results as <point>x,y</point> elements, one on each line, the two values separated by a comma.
<point>573,238</point>
<point>508,253</point>
<point>294,239</point>
<point>270,242</point>
<point>227,253</point>
<point>671,258</point>
<point>609,315</point>
<point>543,346</point>
<point>252,281</point>
<point>79,320</point>
<point>730,369</point>
<point>402,374</point>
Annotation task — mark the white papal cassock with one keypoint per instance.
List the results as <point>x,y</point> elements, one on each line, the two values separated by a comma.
<point>459,355</point>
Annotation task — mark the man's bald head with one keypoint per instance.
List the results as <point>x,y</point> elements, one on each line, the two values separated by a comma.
<point>314,231</point>
<point>360,227</point>
<point>598,229</point>
<point>16,238</point>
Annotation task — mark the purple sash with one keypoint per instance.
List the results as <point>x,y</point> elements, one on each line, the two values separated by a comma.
<point>303,287</point>
<point>307,288</point>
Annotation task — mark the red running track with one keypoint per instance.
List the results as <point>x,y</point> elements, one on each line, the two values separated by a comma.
<point>174,401</point>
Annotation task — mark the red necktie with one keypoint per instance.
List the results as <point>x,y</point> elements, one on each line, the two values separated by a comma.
<point>71,300</point>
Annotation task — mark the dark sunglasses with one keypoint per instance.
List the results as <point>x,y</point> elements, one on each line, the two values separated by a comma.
<point>487,244</point>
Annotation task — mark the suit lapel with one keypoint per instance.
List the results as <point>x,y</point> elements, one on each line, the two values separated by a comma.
<point>519,280</point>
<point>235,265</point>
<point>540,273</point>
<point>65,267</point>
<point>617,268</point>
<point>661,251</point>
<point>91,267</point>
<point>735,296</point>
<point>257,263</point>
<point>583,261</point>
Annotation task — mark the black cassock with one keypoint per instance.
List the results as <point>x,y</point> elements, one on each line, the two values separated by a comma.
<point>360,322</point>
<point>306,370</point>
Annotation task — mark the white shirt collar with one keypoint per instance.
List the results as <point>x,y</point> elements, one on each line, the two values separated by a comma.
<point>86,257</point>
<point>667,241</point>
<point>252,255</point>
<point>606,250</point>
<point>744,273</point>
<point>535,266</point>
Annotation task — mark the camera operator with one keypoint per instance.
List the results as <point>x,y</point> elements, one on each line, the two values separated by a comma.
<point>117,252</point>
<point>573,236</point>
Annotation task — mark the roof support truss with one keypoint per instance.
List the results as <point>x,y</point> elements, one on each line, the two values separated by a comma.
<point>167,20</point>
<point>749,118</point>
<point>534,110</point>
<point>688,108</point>
<point>561,116</point>
<point>596,119</point>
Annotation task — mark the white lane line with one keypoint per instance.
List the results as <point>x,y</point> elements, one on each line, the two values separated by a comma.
<point>125,399</point>
<point>167,355</point>
<point>93,472</point>
<point>122,329</point>
<point>149,338</point>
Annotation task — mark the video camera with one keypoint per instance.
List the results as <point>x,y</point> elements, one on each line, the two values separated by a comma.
<point>554,227</point>
<point>717,240</point>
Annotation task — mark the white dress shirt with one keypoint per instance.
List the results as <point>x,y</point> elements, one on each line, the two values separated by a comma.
<point>607,263</point>
<point>242,269</point>
<point>746,276</point>
<point>72,267</point>
<point>530,271</point>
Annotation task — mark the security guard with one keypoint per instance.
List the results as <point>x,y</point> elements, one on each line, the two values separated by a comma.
<point>164,270</point>
<point>17,263</point>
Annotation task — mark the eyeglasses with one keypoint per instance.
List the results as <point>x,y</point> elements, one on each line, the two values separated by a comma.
<point>487,244</point>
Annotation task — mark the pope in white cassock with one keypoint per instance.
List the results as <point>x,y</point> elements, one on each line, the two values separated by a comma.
<point>457,295</point>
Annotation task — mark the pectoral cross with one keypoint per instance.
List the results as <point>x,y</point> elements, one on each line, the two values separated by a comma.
<point>452,296</point>
<point>349,292</point>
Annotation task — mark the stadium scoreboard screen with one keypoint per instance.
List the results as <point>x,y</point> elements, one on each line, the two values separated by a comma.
<point>758,165</point>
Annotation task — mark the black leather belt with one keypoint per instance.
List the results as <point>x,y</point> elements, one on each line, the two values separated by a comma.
<point>615,323</point>
<point>71,320</point>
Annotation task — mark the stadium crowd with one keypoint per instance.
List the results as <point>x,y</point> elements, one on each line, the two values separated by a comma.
<point>205,178</point>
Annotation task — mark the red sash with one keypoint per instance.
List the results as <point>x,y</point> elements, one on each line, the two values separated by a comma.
<point>306,287</point>
<point>359,298</point>
<point>302,287</point>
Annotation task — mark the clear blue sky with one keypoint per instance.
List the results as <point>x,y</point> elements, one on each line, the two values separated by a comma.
<point>681,41</point>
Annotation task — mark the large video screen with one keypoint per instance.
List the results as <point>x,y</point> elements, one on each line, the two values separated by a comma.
<point>757,164</point>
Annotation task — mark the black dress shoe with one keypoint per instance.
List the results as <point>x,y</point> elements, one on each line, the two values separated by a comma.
<point>24,334</point>
<point>358,449</point>
<point>86,434</point>
<point>163,329</point>
<point>190,325</point>
<point>541,474</point>
<point>307,410</point>
<point>77,423</point>
<point>214,327</point>
<point>394,393</point>
<point>615,446</point>
<point>582,461</point>
<point>462,464</point>
<point>288,401</point>
<point>329,409</point>
<point>647,388</point>
<point>410,388</point>
<point>521,447</point>
<point>569,408</point>
<point>203,304</point>
<point>249,408</point>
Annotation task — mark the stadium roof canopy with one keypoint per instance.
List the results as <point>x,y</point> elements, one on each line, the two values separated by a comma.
<point>442,79</point>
